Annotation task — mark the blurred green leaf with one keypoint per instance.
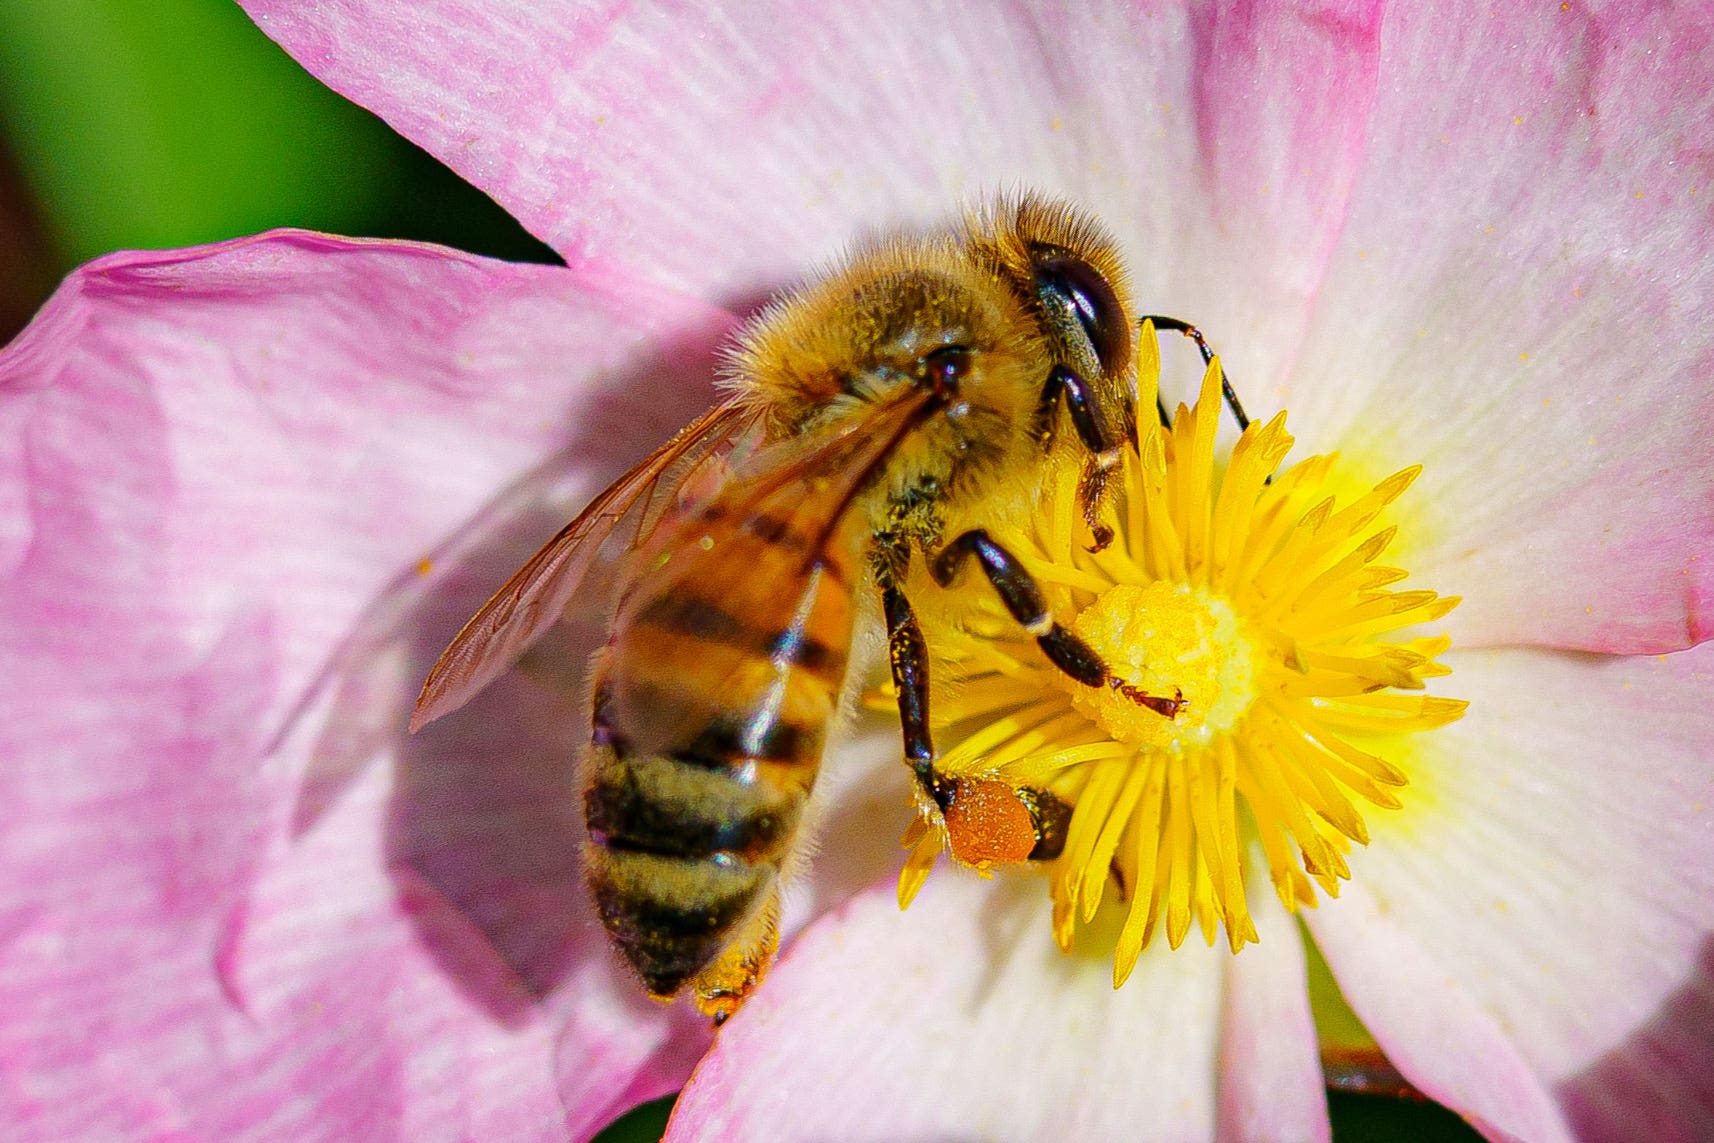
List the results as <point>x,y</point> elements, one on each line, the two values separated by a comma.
<point>643,1124</point>
<point>1377,1119</point>
<point>1335,1024</point>
<point>27,269</point>
<point>146,123</point>
<point>149,123</point>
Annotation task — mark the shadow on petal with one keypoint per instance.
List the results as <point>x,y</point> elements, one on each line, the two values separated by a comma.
<point>485,803</point>
<point>1014,923</point>
<point>1658,1084</point>
<point>851,841</point>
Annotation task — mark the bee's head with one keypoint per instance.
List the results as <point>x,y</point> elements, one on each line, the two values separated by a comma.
<point>1065,268</point>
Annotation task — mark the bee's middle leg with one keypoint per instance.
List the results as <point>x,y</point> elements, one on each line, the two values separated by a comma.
<point>1022,597</point>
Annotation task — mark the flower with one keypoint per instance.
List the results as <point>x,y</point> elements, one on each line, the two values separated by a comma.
<point>1258,606</point>
<point>250,490</point>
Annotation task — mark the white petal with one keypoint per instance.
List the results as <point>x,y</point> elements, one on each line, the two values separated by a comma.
<point>959,1019</point>
<point>1520,301</point>
<point>1536,923</point>
<point>1271,1086</point>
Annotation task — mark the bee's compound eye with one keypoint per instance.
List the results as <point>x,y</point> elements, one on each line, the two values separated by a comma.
<point>946,367</point>
<point>1068,280</point>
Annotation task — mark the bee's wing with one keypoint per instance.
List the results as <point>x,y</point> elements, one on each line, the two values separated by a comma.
<point>802,485</point>
<point>536,596</point>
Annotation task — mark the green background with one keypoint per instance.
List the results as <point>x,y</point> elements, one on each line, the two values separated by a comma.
<point>158,123</point>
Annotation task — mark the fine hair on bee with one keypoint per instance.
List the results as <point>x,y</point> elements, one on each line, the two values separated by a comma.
<point>901,406</point>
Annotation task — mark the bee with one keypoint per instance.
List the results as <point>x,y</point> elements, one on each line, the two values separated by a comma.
<point>900,406</point>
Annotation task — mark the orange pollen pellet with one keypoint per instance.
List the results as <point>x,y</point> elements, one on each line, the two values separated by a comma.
<point>987,823</point>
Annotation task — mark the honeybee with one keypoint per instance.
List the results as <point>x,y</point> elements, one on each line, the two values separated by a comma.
<point>901,405</point>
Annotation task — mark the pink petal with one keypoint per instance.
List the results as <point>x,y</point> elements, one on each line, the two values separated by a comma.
<point>1519,300</point>
<point>727,152</point>
<point>1529,938</point>
<point>235,892</point>
<point>1245,159</point>
<point>959,1019</point>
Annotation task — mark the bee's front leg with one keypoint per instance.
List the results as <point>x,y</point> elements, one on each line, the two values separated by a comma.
<point>1226,390</point>
<point>1105,443</point>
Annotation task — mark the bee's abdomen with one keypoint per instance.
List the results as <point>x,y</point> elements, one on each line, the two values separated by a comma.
<point>710,717</point>
<point>680,851</point>
<point>671,807</point>
<point>678,855</point>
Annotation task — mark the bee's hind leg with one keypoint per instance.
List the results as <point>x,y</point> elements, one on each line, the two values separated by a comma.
<point>907,653</point>
<point>987,821</point>
<point>721,988</point>
<point>1023,598</point>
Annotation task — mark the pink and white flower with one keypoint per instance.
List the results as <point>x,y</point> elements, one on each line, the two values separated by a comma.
<point>250,489</point>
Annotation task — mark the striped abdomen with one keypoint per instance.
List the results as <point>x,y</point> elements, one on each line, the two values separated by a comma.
<point>712,703</point>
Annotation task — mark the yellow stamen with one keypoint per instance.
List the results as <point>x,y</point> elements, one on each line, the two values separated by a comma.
<point>1242,615</point>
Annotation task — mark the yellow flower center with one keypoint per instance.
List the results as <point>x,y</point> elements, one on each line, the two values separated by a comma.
<point>1241,612</point>
<point>1174,642</point>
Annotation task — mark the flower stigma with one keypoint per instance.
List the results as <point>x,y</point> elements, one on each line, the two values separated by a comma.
<point>1255,696</point>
